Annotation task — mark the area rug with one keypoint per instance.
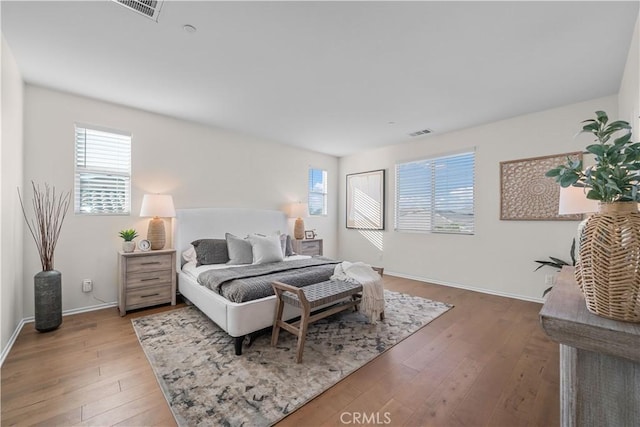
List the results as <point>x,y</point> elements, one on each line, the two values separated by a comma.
<point>205,383</point>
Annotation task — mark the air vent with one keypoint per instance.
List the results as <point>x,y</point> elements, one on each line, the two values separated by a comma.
<point>420,132</point>
<point>148,8</point>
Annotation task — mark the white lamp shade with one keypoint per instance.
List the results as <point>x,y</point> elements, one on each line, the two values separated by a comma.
<point>299,210</point>
<point>573,200</point>
<point>160,205</point>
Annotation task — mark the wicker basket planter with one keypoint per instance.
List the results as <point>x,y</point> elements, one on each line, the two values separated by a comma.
<point>608,270</point>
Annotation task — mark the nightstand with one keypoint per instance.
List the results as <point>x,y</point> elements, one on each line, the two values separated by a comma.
<point>307,246</point>
<point>146,279</point>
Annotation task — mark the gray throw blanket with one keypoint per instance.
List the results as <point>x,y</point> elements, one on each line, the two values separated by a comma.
<point>240,284</point>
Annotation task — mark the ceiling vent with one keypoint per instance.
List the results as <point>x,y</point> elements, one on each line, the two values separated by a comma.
<point>148,8</point>
<point>420,132</point>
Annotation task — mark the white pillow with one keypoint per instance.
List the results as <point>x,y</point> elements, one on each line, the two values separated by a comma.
<point>190,255</point>
<point>266,249</point>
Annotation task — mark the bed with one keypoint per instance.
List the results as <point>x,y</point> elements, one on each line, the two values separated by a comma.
<point>238,319</point>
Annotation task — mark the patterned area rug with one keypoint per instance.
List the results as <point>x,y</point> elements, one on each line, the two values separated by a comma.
<point>205,383</point>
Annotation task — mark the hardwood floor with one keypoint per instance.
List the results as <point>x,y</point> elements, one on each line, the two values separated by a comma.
<point>486,362</point>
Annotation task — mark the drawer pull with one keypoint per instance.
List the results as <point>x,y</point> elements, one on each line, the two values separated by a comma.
<point>152,278</point>
<point>151,295</point>
<point>150,263</point>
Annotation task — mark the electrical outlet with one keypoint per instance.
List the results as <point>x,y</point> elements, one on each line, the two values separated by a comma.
<point>87,285</point>
<point>549,279</point>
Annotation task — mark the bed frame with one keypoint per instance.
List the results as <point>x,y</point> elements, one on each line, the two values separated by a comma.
<point>237,319</point>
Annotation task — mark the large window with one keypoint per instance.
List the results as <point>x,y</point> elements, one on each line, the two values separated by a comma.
<point>103,171</point>
<point>317,192</point>
<point>436,195</point>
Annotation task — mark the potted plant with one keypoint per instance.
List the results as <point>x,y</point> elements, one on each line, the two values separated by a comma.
<point>49,210</point>
<point>557,263</point>
<point>128,235</point>
<point>608,269</point>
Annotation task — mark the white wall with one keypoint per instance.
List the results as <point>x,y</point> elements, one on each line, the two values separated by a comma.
<point>11,222</point>
<point>200,166</point>
<point>500,256</point>
<point>629,96</point>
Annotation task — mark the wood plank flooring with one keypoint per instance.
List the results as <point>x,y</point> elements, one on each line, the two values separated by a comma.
<point>486,362</point>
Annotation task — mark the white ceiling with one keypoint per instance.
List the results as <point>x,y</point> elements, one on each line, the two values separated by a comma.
<point>335,77</point>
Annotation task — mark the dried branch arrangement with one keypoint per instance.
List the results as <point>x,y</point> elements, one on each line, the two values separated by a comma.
<point>50,210</point>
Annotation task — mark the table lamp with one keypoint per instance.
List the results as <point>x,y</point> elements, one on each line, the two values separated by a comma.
<point>299,210</point>
<point>573,200</point>
<point>157,206</point>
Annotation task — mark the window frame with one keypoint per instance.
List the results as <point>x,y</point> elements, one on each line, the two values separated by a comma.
<point>104,171</point>
<point>434,191</point>
<point>324,194</point>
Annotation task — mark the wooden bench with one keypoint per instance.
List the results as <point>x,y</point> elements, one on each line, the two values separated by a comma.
<point>309,297</point>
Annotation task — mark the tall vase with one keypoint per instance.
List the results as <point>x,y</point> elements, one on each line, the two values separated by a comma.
<point>608,270</point>
<point>48,300</point>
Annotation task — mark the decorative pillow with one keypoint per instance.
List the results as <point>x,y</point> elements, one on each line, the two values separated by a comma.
<point>239,250</point>
<point>210,251</point>
<point>289,247</point>
<point>283,243</point>
<point>266,249</point>
<point>190,255</point>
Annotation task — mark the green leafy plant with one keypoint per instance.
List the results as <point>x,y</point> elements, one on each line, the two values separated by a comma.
<point>615,176</point>
<point>128,235</point>
<point>557,263</point>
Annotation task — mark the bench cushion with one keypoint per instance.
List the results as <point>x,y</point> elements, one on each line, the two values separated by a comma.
<point>323,293</point>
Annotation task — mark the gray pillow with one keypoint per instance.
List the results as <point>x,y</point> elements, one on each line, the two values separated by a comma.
<point>266,249</point>
<point>289,247</point>
<point>239,250</point>
<point>210,251</point>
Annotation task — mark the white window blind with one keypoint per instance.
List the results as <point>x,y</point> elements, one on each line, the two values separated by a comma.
<point>103,172</point>
<point>317,192</point>
<point>436,195</point>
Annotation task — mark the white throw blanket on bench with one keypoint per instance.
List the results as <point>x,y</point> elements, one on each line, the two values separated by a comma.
<point>372,304</point>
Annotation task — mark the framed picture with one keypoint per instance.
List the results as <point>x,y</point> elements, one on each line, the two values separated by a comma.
<point>527,194</point>
<point>309,234</point>
<point>365,200</point>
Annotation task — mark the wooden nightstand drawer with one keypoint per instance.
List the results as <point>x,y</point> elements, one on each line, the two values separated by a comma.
<point>143,297</point>
<point>149,263</point>
<point>308,247</point>
<point>146,278</point>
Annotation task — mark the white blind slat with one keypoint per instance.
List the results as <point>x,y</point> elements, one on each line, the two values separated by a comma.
<point>436,195</point>
<point>103,171</point>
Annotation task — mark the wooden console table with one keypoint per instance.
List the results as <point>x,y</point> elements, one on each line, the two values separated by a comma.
<point>599,360</point>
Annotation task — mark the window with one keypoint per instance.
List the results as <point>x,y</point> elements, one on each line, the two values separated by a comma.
<point>103,172</point>
<point>436,195</point>
<point>317,192</point>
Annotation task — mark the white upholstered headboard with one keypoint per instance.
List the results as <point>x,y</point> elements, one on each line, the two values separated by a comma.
<point>213,223</point>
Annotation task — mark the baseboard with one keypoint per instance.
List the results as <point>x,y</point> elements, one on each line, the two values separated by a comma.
<point>466,287</point>
<point>12,340</point>
<point>79,310</point>
<point>14,336</point>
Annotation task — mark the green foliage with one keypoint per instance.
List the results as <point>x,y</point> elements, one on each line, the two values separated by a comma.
<point>128,235</point>
<point>558,263</point>
<point>615,175</point>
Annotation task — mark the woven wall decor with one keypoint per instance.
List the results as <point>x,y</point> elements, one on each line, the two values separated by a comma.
<point>526,194</point>
<point>608,272</point>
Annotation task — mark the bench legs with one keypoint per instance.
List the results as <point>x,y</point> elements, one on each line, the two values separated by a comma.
<point>302,333</point>
<point>277,319</point>
<point>299,328</point>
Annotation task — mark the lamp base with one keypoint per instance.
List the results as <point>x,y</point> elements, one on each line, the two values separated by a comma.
<point>156,234</point>
<point>298,230</point>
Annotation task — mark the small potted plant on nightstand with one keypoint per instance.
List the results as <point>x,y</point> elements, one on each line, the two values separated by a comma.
<point>128,235</point>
